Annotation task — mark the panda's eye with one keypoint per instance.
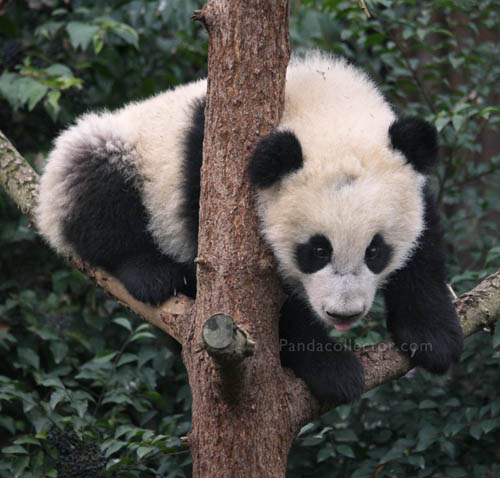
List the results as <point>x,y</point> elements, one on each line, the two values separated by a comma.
<point>372,251</point>
<point>314,254</point>
<point>321,252</point>
<point>378,254</point>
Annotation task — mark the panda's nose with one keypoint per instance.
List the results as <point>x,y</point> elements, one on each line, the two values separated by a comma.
<point>345,316</point>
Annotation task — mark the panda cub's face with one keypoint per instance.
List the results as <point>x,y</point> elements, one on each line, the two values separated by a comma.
<point>339,294</point>
<point>338,226</point>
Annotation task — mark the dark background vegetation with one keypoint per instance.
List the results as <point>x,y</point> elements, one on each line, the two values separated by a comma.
<point>87,390</point>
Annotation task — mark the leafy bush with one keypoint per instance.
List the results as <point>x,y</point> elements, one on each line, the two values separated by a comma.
<point>85,389</point>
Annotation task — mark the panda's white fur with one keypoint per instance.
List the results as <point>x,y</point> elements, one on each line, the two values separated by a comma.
<point>326,106</point>
<point>149,135</point>
<point>341,121</point>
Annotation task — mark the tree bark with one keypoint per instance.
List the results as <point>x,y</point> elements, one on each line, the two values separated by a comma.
<point>247,61</point>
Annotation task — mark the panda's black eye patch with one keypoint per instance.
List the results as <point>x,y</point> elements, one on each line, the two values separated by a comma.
<point>314,254</point>
<point>377,254</point>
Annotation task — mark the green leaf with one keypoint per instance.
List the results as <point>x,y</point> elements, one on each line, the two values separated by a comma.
<point>127,33</point>
<point>142,335</point>
<point>58,69</point>
<point>124,322</point>
<point>97,43</point>
<point>20,464</point>
<point>345,435</point>
<point>476,431</point>
<point>105,357</point>
<point>9,87</point>
<point>51,382</point>
<point>14,449</point>
<point>143,451</point>
<point>344,411</point>
<point>127,358</point>
<point>458,121</point>
<point>29,357</point>
<point>398,449</point>
<point>427,435</point>
<point>441,122</point>
<point>31,91</point>
<point>26,439</point>
<point>8,423</point>
<point>489,425</point>
<point>324,453</point>
<point>59,349</point>
<point>426,404</point>
<point>345,450</point>
<point>114,446</point>
<point>80,34</point>
<point>81,407</point>
<point>55,398</point>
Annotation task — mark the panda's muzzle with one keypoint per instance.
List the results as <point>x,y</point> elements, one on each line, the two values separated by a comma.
<point>345,317</point>
<point>343,322</point>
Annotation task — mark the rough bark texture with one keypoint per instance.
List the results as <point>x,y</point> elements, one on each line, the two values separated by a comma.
<point>247,62</point>
<point>17,177</point>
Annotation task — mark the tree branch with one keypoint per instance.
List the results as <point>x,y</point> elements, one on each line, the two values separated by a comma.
<point>476,309</point>
<point>382,362</point>
<point>227,343</point>
<point>20,182</point>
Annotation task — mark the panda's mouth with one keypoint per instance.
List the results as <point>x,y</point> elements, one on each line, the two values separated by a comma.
<point>342,327</point>
<point>343,322</point>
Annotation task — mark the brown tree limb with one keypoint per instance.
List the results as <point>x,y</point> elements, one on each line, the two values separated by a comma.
<point>477,309</point>
<point>20,182</point>
<point>227,343</point>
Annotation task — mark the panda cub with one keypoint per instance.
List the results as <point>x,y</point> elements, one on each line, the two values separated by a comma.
<point>341,193</point>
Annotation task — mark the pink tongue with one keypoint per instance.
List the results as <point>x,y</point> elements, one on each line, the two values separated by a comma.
<point>342,327</point>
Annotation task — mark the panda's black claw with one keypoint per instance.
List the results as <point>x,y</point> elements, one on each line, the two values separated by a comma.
<point>153,278</point>
<point>434,349</point>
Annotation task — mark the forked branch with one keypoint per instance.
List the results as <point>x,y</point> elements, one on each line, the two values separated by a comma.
<point>382,362</point>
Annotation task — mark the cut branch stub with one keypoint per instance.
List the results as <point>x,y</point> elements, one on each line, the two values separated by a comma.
<point>225,341</point>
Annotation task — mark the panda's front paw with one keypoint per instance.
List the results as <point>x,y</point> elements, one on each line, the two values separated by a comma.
<point>150,289</point>
<point>433,349</point>
<point>153,278</point>
<point>335,377</point>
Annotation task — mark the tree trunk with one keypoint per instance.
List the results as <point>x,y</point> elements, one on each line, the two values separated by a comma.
<point>238,407</point>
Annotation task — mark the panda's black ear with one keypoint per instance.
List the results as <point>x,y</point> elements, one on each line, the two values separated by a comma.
<point>276,155</point>
<point>417,140</point>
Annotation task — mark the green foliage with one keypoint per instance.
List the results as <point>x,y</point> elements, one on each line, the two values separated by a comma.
<point>85,390</point>
<point>112,398</point>
<point>61,58</point>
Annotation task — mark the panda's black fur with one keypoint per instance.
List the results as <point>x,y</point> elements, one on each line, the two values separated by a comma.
<point>104,219</point>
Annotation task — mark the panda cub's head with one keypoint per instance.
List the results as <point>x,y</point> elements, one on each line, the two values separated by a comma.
<point>341,214</point>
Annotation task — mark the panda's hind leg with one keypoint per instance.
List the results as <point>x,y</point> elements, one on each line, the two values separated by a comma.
<point>106,222</point>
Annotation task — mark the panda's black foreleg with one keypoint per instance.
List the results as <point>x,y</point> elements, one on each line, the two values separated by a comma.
<point>332,373</point>
<point>152,277</point>
<point>420,314</point>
